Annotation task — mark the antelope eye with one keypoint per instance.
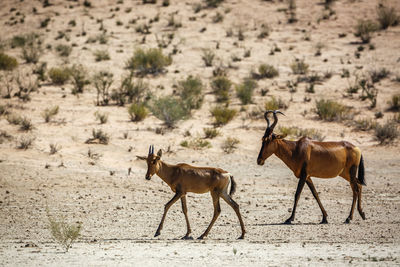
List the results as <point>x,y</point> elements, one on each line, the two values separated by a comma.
<point>153,162</point>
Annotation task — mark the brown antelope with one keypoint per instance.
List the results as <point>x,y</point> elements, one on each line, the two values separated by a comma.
<point>307,158</point>
<point>184,178</point>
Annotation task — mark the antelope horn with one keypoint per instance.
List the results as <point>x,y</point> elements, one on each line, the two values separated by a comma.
<point>275,119</point>
<point>150,150</point>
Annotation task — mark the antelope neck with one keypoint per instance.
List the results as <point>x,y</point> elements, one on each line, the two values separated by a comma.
<point>285,152</point>
<point>165,172</point>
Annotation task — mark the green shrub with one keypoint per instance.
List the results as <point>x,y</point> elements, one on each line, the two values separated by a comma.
<point>99,137</point>
<point>208,57</point>
<point>364,29</point>
<point>130,90</point>
<point>395,103</point>
<point>299,132</point>
<point>150,61</point>
<point>191,92</point>
<point>7,62</point>
<point>299,66</point>
<point>137,112</point>
<point>59,76</point>
<point>330,110</point>
<point>64,50</point>
<point>221,86</point>
<point>196,143</point>
<point>101,55</point>
<point>245,90</point>
<point>102,81</point>
<point>387,16</point>
<point>79,78</point>
<point>387,132</point>
<point>211,133</point>
<point>18,41</point>
<point>266,71</point>
<point>49,113</point>
<point>230,144</point>
<point>222,115</point>
<point>275,104</point>
<point>169,110</point>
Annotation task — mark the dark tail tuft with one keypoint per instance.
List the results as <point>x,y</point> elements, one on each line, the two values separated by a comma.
<point>233,186</point>
<point>361,172</point>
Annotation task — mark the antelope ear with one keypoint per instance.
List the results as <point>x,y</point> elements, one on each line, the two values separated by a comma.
<point>159,153</point>
<point>141,157</point>
<point>278,136</point>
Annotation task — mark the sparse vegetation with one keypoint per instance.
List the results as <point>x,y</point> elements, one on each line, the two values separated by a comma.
<point>191,92</point>
<point>130,91</point>
<point>151,61</point>
<point>387,16</point>
<point>7,62</point>
<point>230,144</point>
<point>169,110</point>
<point>54,148</point>
<point>221,86</point>
<point>208,57</point>
<point>101,117</point>
<point>63,50</point>
<point>25,142</point>
<point>211,133</point>
<point>378,74</point>
<point>387,132</point>
<point>213,3</point>
<point>59,76</point>
<point>49,113</point>
<point>99,137</point>
<point>102,81</point>
<point>364,29</point>
<point>394,103</point>
<point>25,124</point>
<point>79,78</point>
<point>365,124</point>
<point>275,104</point>
<point>245,90</point>
<point>299,132</point>
<point>196,143</point>
<point>101,55</point>
<point>222,115</point>
<point>137,111</point>
<point>299,66</point>
<point>330,110</point>
<point>32,49</point>
<point>266,71</point>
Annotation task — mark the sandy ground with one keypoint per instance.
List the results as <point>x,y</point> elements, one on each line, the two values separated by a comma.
<point>120,212</point>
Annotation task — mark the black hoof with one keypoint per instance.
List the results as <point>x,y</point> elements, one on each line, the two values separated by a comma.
<point>200,237</point>
<point>157,234</point>
<point>187,237</point>
<point>241,237</point>
<point>288,221</point>
<point>362,215</point>
<point>347,221</point>
<point>324,221</point>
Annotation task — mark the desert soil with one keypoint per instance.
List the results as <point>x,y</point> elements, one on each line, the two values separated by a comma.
<point>120,212</point>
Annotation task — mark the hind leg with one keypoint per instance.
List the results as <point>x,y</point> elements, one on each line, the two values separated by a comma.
<point>362,214</point>
<point>235,207</point>
<point>315,194</point>
<point>354,187</point>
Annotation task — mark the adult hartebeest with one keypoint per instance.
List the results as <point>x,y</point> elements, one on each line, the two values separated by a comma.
<point>184,178</point>
<point>307,158</point>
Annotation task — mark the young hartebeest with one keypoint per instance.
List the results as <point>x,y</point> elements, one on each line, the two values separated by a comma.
<point>307,158</point>
<point>184,178</point>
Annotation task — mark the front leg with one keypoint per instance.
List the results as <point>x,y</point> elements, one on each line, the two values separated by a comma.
<point>300,185</point>
<point>177,196</point>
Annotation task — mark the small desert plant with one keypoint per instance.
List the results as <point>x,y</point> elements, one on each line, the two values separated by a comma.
<point>196,143</point>
<point>26,124</point>
<point>63,50</point>
<point>14,119</point>
<point>211,133</point>
<point>191,92</point>
<point>151,61</point>
<point>40,71</point>
<point>32,49</point>
<point>79,78</point>
<point>266,71</point>
<point>213,3</point>
<point>364,29</point>
<point>62,232</point>
<point>245,90</point>
<point>59,76</point>
<point>25,142</point>
<point>208,57</point>
<point>130,90</point>
<point>99,137</point>
<point>298,132</point>
<point>4,136</point>
<point>137,111</point>
<point>387,132</point>
<point>291,11</point>
<point>101,117</point>
<point>54,148</point>
<point>169,110</point>
<point>222,115</point>
<point>275,104</point>
<point>265,30</point>
<point>368,92</point>
<point>101,55</point>
<point>221,86</point>
<point>218,17</point>
<point>378,74</point>
<point>387,16</point>
<point>230,144</point>
<point>7,62</point>
<point>49,113</point>
<point>330,110</point>
<point>395,103</point>
<point>365,124</point>
<point>102,81</point>
<point>299,66</point>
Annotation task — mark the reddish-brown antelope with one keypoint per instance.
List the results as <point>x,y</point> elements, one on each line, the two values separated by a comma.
<point>308,158</point>
<point>184,178</point>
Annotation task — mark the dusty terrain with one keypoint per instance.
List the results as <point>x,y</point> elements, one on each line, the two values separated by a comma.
<point>120,212</point>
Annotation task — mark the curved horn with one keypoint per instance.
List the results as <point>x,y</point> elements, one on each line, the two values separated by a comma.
<point>152,149</point>
<point>275,119</point>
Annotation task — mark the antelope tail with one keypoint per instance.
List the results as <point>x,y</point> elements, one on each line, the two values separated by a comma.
<point>233,186</point>
<point>361,172</point>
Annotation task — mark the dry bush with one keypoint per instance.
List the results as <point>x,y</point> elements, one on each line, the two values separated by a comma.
<point>25,142</point>
<point>191,92</point>
<point>63,50</point>
<point>32,48</point>
<point>222,115</point>
<point>59,76</point>
<point>330,110</point>
<point>7,62</point>
<point>25,124</point>
<point>99,137</point>
<point>130,91</point>
<point>364,29</point>
<point>137,111</point>
<point>387,16</point>
<point>221,86</point>
<point>394,103</point>
<point>101,55</point>
<point>101,117</point>
<point>213,3</point>
<point>4,136</point>
<point>54,148</point>
<point>79,78</point>
<point>208,57</point>
<point>365,124</point>
<point>387,132</point>
<point>266,71</point>
<point>299,132</point>
<point>63,233</point>
<point>244,90</point>
<point>102,81</point>
<point>299,66</point>
<point>275,104</point>
<point>196,143</point>
<point>169,110</point>
<point>49,113</point>
<point>150,61</point>
<point>378,74</point>
<point>211,133</point>
<point>230,144</point>
<point>14,119</point>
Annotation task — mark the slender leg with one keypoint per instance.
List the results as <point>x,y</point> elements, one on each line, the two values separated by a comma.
<point>354,187</point>
<point>217,211</point>
<point>362,214</point>
<point>235,207</point>
<point>315,194</point>
<point>166,208</point>
<point>184,209</point>
<point>300,185</point>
